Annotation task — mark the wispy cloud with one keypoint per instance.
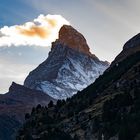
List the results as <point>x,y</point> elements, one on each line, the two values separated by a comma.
<point>40,32</point>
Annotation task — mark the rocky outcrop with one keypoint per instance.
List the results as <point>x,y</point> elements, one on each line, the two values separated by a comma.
<point>130,47</point>
<point>70,37</point>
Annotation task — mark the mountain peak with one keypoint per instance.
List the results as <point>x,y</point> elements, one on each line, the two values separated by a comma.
<point>14,86</point>
<point>70,66</point>
<point>73,39</point>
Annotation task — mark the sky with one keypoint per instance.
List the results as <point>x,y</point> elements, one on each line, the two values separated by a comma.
<point>27,28</point>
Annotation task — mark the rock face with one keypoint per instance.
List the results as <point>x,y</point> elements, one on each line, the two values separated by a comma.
<point>69,36</point>
<point>69,68</point>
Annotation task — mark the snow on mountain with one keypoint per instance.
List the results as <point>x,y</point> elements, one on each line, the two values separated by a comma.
<point>70,67</point>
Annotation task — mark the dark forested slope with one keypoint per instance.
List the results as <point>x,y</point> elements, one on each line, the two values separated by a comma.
<point>108,109</point>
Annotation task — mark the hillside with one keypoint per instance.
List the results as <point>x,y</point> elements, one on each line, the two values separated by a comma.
<point>13,106</point>
<point>107,109</point>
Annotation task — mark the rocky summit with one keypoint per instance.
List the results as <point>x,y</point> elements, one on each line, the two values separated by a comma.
<point>69,68</point>
<point>69,36</point>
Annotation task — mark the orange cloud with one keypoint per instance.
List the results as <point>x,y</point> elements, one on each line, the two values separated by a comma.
<point>52,22</point>
<point>40,32</point>
<point>34,31</point>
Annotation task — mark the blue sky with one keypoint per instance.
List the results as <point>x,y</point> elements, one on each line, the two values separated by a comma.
<point>106,24</point>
